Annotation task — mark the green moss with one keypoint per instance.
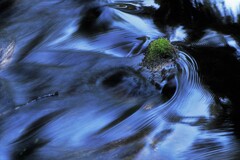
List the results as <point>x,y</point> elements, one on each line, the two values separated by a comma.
<point>158,51</point>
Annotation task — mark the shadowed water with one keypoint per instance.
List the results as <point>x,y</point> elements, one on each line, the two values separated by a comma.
<point>72,85</point>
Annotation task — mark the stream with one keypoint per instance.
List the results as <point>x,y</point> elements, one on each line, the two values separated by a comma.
<point>72,85</point>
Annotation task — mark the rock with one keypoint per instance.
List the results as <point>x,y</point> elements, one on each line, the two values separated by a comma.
<point>159,52</point>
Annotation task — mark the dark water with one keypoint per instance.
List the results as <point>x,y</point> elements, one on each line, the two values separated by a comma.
<point>72,86</point>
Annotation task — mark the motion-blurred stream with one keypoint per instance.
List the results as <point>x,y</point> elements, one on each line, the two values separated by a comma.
<point>72,85</point>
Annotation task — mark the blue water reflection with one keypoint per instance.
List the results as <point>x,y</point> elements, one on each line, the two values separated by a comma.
<point>72,85</point>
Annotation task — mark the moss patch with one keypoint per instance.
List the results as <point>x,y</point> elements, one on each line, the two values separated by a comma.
<point>158,51</point>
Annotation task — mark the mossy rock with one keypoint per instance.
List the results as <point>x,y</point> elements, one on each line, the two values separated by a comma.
<point>159,51</point>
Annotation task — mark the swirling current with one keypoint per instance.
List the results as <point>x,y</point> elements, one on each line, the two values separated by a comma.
<point>72,85</point>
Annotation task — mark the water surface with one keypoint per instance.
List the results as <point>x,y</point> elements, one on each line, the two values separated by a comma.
<point>72,86</point>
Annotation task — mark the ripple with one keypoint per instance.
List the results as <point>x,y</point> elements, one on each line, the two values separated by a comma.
<point>112,110</point>
<point>127,7</point>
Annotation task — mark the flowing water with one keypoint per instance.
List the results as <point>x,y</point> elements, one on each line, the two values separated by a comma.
<point>72,86</point>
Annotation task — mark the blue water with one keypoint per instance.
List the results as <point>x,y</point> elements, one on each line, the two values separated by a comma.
<point>72,86</point>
